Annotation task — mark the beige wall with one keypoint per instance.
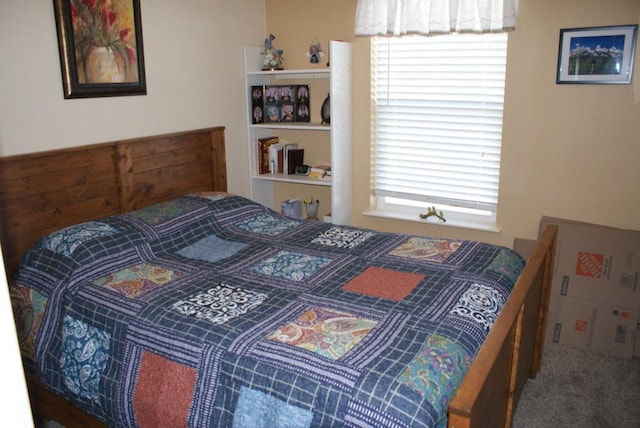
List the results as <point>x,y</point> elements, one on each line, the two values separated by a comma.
<point>193,58</point>
<point>569,151</point>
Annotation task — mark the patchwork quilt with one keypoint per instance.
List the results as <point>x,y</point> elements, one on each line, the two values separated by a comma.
<point>212,310</point>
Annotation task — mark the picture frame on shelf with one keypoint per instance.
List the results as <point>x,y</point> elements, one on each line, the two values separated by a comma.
<point>257,104</point>
<point>100,47</point>
<point>286,93</point>
<point>596,55</point>
<point>272,94</point>
<point>303,111</point>
<point>272,113</point>
<point>302,94</point>
<point>287,112</point>
<point>280,103</point>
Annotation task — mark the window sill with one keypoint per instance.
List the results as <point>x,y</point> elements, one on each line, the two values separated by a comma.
<point>460,223</point>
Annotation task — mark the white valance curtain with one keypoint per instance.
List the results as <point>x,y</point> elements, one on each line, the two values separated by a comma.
<point>400,17</point>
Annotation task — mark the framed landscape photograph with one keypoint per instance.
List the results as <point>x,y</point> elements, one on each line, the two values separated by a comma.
<point>101,52</point>
<point>598,55</point>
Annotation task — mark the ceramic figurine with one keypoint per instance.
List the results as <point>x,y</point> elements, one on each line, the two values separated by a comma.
<point>315,53</point>
<point>272,56</point>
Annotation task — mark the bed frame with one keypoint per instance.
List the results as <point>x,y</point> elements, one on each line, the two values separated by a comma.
<point>41,192</point>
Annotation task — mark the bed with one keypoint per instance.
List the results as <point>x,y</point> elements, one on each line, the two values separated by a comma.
<point>203,308</point>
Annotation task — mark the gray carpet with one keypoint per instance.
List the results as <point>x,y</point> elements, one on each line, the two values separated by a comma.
<point>578,388</point>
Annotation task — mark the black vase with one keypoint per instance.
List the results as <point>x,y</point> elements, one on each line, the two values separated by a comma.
<point>325,112</point>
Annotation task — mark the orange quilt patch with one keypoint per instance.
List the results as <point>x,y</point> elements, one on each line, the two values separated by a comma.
<point>384,283</point>
<point>163,393</point>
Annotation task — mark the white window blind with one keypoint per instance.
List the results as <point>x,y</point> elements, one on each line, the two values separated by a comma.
<point>437,122</point>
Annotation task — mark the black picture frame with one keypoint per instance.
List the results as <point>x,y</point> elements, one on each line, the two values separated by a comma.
<point>303,110</point>
<point>257,104</point>
<point>101,49</point>
<point>279,103</point>
<point>597,55</point>
<point>272,113</point>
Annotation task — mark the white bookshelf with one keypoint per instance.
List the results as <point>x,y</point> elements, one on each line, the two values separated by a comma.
<point>336,136</point>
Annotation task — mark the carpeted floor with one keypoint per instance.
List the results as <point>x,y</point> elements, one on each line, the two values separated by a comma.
<point>578,388</point>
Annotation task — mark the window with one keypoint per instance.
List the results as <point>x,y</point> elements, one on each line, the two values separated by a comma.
<point>437,124</point>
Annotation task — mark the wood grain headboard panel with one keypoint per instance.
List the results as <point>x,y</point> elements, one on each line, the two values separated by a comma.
<point>45,191</point>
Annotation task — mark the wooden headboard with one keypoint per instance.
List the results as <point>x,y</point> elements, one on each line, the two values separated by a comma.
<point>45,191</point>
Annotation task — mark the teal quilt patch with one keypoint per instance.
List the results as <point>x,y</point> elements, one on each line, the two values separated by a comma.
<point>269,225</point>
<point>507,264</point>
<point>292,266</point>
<point>436,371</point>
<point>84,357</point>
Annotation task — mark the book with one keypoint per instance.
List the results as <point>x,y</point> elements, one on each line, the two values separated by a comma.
<point>325,168</point>
<point>321,172</point>
<point>263,163</point>
<point>275,153</point>
<point>287,148</point>
<point>294,159</point>
<point>280,158</point>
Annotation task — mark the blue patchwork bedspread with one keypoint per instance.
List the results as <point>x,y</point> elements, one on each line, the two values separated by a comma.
<point>211,310</point>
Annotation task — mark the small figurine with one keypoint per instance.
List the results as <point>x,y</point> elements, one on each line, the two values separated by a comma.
<point>315,53</point>
<point>432,212</point>
<point>272,56</point>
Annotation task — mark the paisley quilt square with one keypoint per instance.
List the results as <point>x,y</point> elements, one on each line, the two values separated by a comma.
<point>163,392</point>
<point>257,409</point>
<point>219,304</point>
<point>427,249</point>
<point>437,371</point>
<point>212,249</point>
<point>85,351</point>
<point>384,283</point>
<point>164,211</point>
<point>65,241</point>
<point>28,311</point>
<point>134,281</point>
<point>266,224</point>
<point>326,332</point>
<point>291,266</point>
<point>479,304</point>
<point>342,237</point>
<point>508,264</point>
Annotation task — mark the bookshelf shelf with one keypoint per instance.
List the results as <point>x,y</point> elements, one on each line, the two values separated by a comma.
<point>293,125</point>
<point>299,179</point>
<point>334,138</point>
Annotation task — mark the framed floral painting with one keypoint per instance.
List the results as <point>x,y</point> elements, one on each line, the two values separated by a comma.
<point>101,51</point>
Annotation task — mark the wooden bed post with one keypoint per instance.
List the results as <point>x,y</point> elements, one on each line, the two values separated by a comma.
<point>218,158</point>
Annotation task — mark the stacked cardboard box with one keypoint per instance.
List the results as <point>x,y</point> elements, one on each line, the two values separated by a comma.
<point>595,292</point>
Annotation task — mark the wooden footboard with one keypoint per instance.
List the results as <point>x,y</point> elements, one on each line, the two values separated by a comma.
<point>512,352</point>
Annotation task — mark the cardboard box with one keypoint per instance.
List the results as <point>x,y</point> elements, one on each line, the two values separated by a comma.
<point>596,263</point>
<point>524,247</point>
<point>592,326</point>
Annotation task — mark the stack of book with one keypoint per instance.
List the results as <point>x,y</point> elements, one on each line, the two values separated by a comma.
<point>275,157</point>
<point>320,172</point>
